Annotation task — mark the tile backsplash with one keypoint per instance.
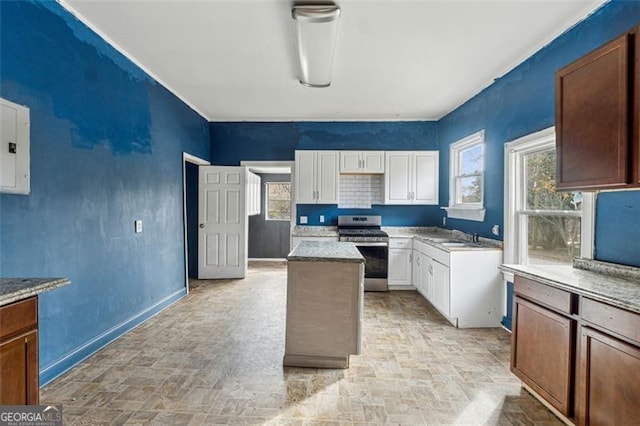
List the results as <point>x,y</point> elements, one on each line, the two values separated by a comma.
<point>360,191</point>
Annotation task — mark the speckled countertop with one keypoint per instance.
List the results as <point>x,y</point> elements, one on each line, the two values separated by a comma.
<point>314,231</point>
<point>426,234</point>
<point>325,251</point>
<point>14,289</point>
<point>422,233</point>
<point>623,292</point>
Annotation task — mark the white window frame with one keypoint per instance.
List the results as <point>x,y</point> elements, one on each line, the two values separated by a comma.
<point>515,190</point>
<point>468,211</point>
<point>266,201</point>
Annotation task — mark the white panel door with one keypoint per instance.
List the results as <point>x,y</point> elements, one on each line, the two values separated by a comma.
<point>328,168</point>
<point>305,177</point>
<point>425,173</point>
<point>397,178</point>
<point>222,232</point>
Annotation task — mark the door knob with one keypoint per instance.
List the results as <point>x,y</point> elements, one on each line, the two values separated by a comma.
<point>202,225</point>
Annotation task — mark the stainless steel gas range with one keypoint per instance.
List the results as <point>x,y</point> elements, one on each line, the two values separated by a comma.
<point>373,244</point>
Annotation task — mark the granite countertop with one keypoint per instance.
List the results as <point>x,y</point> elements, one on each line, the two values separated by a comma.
<point>314,231</point>
<point>427,234</point>
<point>415,231</point>
<point>325,251</point>
<point>14,289</point>
<point>423,233</point>
<point>616,290</point>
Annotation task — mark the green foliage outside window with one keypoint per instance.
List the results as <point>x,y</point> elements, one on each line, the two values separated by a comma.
<point>552,237</point>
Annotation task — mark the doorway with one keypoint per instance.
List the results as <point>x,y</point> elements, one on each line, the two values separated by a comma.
<point>190,164</point>
<point>269,232</point>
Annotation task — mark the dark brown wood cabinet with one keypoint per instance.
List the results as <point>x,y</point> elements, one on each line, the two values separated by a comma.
<point>19,353</point>
<point>543,345</point>
<point>609,366</point>
<point>597,118</point>
<point>580,355</point>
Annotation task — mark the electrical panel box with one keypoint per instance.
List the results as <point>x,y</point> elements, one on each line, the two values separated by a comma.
<point>14,148</point>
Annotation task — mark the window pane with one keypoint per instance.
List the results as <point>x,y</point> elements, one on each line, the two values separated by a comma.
<point>470,190</point>
<point>553,239</point>
<point>278,201</point>
<point>471,160</point>
<point>541,184</point>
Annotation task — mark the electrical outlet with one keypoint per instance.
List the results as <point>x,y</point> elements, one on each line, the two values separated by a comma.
<point>138,226</point>
<point>303,220</point>
<point>321,218</point>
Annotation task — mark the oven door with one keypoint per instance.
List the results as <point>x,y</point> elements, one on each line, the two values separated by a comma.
<point>376,266</point>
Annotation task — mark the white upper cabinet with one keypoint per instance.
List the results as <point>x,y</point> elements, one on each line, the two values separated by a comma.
<point>361,161</point>
<point>411,177</point>
<point>317,177</point>
<point>14,148</point>
<point>253,194</point>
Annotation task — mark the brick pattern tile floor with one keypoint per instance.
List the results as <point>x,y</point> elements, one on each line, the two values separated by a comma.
<point>215,357</point>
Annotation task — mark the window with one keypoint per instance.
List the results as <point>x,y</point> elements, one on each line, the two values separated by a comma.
<point>466,184</point>
<point>278,200</point>
<point>543,226</point>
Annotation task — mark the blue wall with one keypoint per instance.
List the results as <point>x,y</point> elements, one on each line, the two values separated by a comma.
<point>245,141</point>
<point>106,146</point>
<point>523,102</point>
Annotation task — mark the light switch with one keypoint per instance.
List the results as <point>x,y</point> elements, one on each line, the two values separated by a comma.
<point>321,218</point>
<point>138,226</point>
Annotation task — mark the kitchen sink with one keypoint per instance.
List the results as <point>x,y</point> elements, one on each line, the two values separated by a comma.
<point>454,244</point>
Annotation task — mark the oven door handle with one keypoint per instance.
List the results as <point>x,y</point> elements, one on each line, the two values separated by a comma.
<point>363,244</point>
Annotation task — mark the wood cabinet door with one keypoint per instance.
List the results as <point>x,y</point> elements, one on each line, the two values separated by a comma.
<point>542,352</point>
<point>609,380</point>
<point>592,113</point>
<point>19,370</point>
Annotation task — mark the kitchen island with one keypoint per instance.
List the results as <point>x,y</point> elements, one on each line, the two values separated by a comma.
<point>325,291</point>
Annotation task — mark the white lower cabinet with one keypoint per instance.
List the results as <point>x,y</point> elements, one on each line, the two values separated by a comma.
<point>463,285</point>
<point>400,262</point>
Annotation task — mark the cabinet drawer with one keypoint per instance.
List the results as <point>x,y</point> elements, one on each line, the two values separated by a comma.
<point>550,296</point>
<point>618,320</point>
<point>18,316</point>
<point>401,243</point>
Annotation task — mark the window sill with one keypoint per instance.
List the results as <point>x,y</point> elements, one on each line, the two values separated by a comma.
<point>466,213</point>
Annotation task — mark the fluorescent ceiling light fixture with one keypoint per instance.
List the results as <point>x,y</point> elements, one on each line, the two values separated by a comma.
<point>316,28</point>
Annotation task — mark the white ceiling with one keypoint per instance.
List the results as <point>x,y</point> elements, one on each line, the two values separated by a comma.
<point>234,60</point>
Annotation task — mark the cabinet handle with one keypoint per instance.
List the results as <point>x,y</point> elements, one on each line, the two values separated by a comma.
<point>418,260</point>
<point>27,388</point>
<point>411,258</point>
